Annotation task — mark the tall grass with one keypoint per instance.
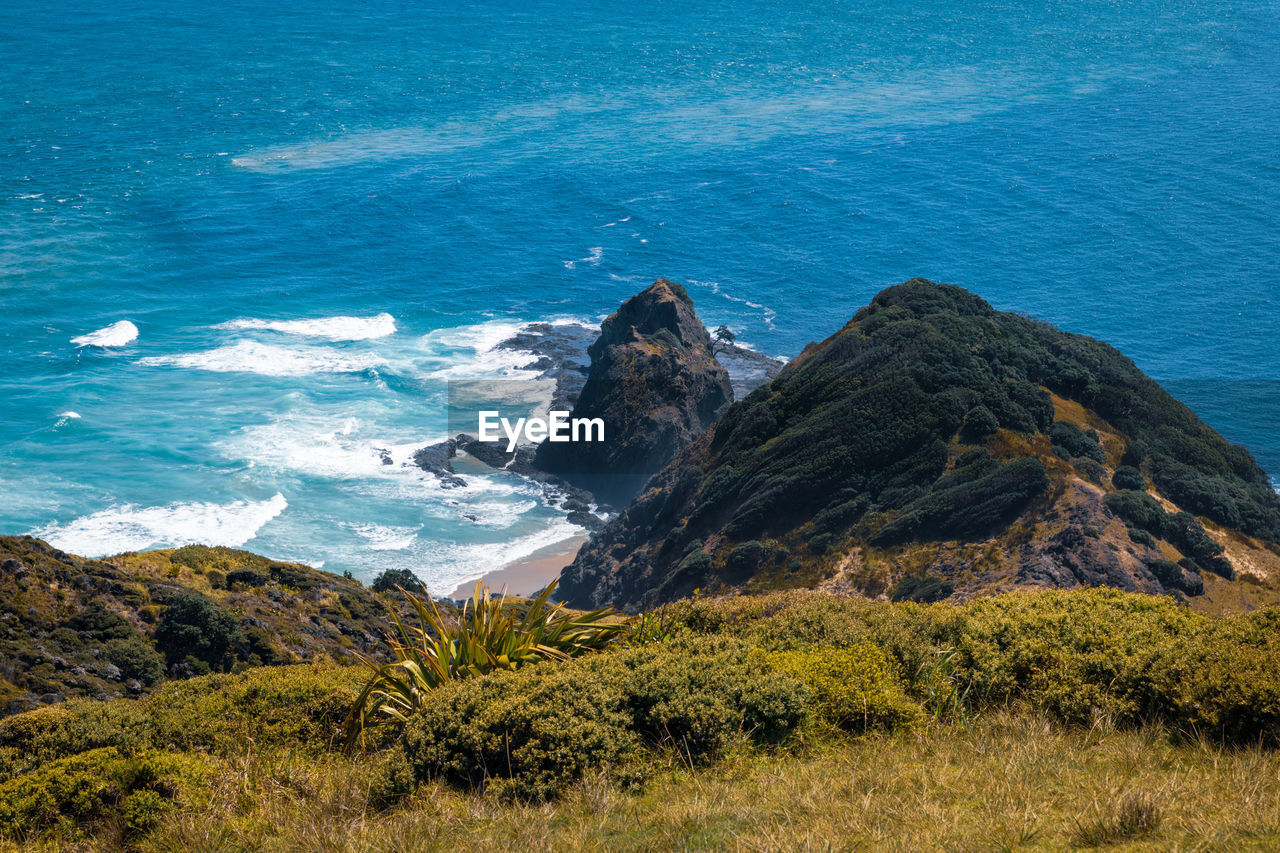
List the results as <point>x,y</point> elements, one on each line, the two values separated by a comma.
<point>488,634</point>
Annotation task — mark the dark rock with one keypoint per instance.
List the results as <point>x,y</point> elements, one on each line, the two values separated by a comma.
<point>1071,558</point>
<point>656,386</point>
<point>51,698</point>
<point>562,356</point>
<point>111,672</point>
<point>747,369</point>
<point>436,459</point>
<point>585,519</point>
<point>491,453</point>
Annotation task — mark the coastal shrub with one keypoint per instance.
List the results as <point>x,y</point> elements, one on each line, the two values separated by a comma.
<point>856,688</point>
<point>1128,477</point>
<point>695,565</point>
<point>1089,469</point>
<point>1187,534</point>
<point>1167,572</point>
<point>697,693</point>
<point>1134,454</point>
<point>1142,537</point>
<point>1139,509</point>
<point>1249,506</point>
<point>118,793</point>
<point>1225,683</point>
<point>1182,529</point>
<point>924,588</point>
<point>526,734</point>
<point>193,626</point>
<point>36,738</point>
<point>821,543</point>
<point>1070,438</point>
<point>392,578</point>
<point>302,706</point>
<point>841,515</point>
<point>1074,654</point>
<point>532,732</point>
<point>979,423</point>
<point>746,558</point>
<point>247,578</point>
<point>202,558</point>
<point>135,659</point>
<point>961,507</point>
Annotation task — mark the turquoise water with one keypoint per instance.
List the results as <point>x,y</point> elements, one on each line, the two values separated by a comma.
<point>315,215</point>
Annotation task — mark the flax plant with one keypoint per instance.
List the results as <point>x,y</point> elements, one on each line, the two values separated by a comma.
<point>489,634</point>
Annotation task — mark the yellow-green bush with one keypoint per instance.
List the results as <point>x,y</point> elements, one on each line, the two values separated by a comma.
<point>116,793</point>
<point>532,732</point>
<point>1225,681</point>
<point>526,733</point>
<point>856,688</point>
<point>30,740</point>
<point>1075,654</point>
<point>302,706</point>
<point>696,693</point>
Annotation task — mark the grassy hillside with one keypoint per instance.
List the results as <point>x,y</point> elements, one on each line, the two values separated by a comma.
<point>71,627</point>
<point>936,446</point>
<point>791,721</point>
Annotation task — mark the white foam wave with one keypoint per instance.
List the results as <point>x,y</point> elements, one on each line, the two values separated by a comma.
<point>386,537</point>
<point>75,415</point>
<point>131,528</point>
<point>116,335</point>
<point>485,360</point>
<point>500,515</point>
<point>594,258</point>
<point>268,360</point>
<point>334,448</point>
<point>331,328</point>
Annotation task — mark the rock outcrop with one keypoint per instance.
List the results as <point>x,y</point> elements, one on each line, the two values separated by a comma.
<point>655,384</point>
<point>935,446</point>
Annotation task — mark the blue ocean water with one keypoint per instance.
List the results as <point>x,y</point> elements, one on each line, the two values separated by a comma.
<point>314,214</point>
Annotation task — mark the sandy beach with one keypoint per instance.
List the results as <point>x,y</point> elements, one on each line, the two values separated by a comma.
<point>528,574</point>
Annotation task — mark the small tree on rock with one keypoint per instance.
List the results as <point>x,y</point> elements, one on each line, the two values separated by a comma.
<point>724,338</point>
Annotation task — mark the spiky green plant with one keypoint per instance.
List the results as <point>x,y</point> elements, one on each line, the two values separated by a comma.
<point>489,634</point>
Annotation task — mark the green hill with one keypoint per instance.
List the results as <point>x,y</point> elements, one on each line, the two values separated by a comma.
<point>71,627</point>
<point>935,446</point>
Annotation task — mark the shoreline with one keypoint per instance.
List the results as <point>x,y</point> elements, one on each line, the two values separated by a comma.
<point>529,574</point>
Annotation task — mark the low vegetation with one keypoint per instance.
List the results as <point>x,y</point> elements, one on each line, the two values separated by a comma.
<point>71,627</point>
<point>1074,718</point>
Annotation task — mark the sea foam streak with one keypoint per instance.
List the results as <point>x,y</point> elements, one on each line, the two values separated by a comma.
<point>115,335</point>
<point>485,360</point>
<point>268,360</point>
<point>130,528</point>
<point>330,328</point>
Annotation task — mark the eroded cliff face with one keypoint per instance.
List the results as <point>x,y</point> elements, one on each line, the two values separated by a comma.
<point>655,384</point>
<point>937,447</point>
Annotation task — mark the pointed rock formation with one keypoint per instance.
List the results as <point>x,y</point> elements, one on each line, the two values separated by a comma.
<point>655,384</point>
